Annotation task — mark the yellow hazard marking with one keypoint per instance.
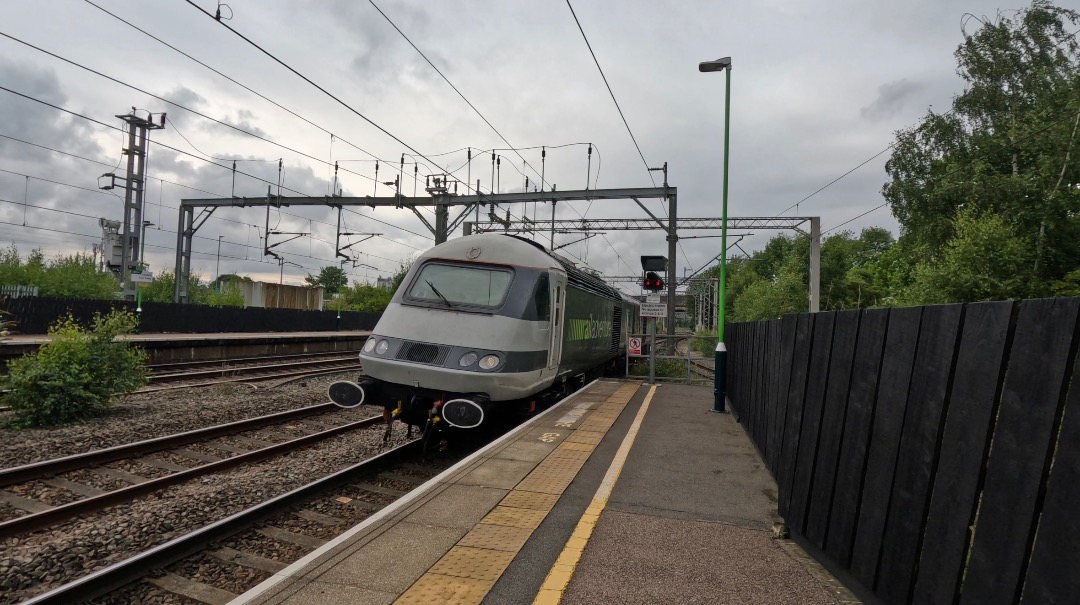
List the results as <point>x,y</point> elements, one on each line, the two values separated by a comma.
<point>558,578</point>
<point>466,573</point>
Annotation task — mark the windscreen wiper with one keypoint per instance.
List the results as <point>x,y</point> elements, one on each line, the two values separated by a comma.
<point>439,294</point>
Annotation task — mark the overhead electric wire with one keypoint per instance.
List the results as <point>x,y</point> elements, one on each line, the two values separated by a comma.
<point>234,81</point>
<point>1066,112</point>
<point>459,93</point>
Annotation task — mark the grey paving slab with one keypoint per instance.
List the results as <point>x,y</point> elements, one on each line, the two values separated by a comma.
<point>527,451</point>
<point>394,560</point>
<point>460,506</point>
<point>498,473</point>
<point>691,463</point>
<point>323,593</point>
<point>646,559</point>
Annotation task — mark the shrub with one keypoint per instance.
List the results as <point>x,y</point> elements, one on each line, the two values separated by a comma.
<point>77,374</point>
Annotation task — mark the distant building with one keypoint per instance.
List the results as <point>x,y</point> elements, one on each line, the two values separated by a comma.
<point>384,282</point>
<point>281,296</point>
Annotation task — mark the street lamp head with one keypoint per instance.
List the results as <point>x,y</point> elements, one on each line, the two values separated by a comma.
<point>717,65</point>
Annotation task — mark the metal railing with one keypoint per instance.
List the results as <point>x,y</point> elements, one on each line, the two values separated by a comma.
<point>684,358</point>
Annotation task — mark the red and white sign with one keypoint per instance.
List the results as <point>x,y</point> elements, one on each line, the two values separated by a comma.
<point>635,345</point>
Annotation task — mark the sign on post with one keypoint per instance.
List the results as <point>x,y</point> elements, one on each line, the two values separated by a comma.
<point>654,309</point>
<point>635,345</point>
<point>144,277</point>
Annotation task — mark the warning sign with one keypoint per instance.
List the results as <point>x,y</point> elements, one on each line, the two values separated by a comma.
<point>635,346</point>
<point>654,310</point>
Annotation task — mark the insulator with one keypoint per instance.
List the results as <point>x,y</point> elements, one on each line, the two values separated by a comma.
<point>590,148</point>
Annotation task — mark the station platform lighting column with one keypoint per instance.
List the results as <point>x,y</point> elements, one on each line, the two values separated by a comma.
<point>720,357</point>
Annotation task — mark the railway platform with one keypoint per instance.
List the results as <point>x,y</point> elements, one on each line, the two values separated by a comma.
<point>622,493</point>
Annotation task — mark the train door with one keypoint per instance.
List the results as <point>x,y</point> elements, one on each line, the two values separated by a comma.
<point>558,312</point>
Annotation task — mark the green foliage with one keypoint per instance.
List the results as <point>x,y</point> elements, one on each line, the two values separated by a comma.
<point>399,277</point>
<point>229,295</point>
<point>76,276</point>
<point>985,260</point>
<point>77,374</point>
<point>1007,149</point>
<point>67,276</point>
<point>332,279</point>
<point>161,289</point>
<point>364,297</point>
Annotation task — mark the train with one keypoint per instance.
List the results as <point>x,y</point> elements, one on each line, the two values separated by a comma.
<point>488,323</point>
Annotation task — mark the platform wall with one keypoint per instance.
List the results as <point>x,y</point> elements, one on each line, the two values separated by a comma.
<point>34,315</point>
<point>932,452</point>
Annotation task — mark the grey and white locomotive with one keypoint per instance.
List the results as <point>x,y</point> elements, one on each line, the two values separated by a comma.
<point>487,321</point>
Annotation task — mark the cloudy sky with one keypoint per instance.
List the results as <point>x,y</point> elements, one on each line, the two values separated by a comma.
<point>817,89</point>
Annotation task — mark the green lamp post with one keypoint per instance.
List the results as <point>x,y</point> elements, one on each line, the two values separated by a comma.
<point>720,358</point>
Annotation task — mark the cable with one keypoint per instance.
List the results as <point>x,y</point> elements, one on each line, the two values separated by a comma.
<point>612,93</point>
<point>254,92</point>
<point>447,80</point>
<point>312,83</point>
<point>1067,112</point>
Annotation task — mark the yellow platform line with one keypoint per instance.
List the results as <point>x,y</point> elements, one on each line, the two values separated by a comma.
<point>465,574</point>
<point>551,591</point>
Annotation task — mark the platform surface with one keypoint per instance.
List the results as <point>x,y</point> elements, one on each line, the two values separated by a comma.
<point>623,493</point>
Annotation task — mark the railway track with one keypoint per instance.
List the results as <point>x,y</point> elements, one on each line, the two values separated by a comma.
<point>252,369</point>
<point>173,459</point>
<point>215,563</point>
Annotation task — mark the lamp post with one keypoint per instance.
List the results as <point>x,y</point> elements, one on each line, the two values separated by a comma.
<point>720,359</point>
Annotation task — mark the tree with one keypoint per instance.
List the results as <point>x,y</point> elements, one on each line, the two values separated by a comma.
<point>403,270</point>
<point>1006,149</point>
<point>330,278</point>
<point>76,276</point>
<point>985,260</point>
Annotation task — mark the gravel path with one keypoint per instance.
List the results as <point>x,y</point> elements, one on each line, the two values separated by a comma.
<point>32,564</point>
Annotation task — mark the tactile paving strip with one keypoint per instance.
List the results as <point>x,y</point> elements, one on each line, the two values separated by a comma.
<point>471,568</point>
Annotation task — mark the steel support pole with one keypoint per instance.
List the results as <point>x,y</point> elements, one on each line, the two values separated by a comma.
<point>815,264</point>
<point>672,239</point>
<point>720,358</point>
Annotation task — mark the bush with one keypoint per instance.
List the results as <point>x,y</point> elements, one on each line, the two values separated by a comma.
<point>76,375</point>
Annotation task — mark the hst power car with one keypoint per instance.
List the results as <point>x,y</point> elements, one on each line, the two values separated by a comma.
<point>484,322</point>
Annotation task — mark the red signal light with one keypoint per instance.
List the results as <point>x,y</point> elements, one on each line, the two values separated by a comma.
<point>652,282</point>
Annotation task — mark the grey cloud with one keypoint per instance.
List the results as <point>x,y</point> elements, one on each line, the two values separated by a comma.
<point>893,98</point>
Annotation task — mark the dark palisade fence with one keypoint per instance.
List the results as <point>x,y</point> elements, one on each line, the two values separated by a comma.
<point>932,452</point>
<point>35,315</point>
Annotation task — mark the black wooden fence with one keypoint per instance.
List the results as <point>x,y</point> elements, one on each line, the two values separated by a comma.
<point>933,452</point>
<point>35,315</point>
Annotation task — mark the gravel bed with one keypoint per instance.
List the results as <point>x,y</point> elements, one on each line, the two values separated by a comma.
<point>8,512</point>
<point>266,547</point>
<point>82,545</point>
<point>43,492</point>
<point>329,506</point>
<point>215,572</point>
<point>141,469</point>
<point>177,459</point>
<point>93,479</point>
<point>148,415</point>
<point>209,450</point>
<point>143,593</point>
<point>395,484</point>
<point>309,528</point>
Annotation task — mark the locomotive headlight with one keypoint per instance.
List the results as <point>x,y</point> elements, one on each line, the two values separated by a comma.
<point>382,347</point>
<point>467,359</point>
<point>489,362</point>
<point>369,345</point>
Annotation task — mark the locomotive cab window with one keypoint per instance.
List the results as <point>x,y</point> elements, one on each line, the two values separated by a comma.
<point>542,298</point>
<point>452,286</point>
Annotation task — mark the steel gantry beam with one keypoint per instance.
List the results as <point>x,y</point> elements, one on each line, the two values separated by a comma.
<point>441,199</point>
<point>793,223</point>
